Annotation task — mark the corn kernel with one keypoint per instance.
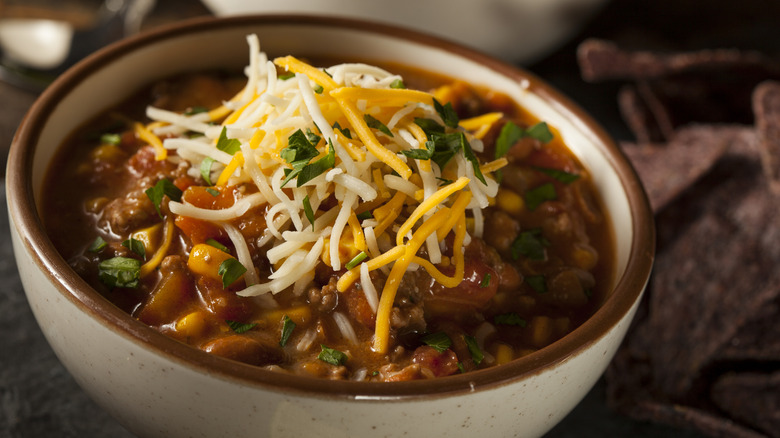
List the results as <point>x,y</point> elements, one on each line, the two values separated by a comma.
<point>504,354</point>
<point>150,237</point>
<point>541,330</point>
<point>299,315</point>
<point>584,257</point>
<point>192,325</point>
<point>509,201</point>
<point>205,260</point>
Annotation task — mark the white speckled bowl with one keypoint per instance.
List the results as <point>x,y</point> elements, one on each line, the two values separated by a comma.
<point>156,386</point>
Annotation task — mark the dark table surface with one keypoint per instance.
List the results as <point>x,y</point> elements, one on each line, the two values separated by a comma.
<point>39,398</point>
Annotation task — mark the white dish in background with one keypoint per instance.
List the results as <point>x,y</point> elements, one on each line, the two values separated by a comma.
<point>519,31</point>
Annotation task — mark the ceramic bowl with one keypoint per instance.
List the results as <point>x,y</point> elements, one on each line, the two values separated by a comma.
<point>514,30</point>
<point>156,386</point>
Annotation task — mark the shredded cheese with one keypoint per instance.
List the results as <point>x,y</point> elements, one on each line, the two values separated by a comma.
<point>367,171</point>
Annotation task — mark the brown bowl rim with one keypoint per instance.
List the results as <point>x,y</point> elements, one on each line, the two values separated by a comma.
<point>29,226</point>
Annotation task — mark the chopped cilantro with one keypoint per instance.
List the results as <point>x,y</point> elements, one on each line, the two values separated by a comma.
<point>537,283</point>
<point>530,244</point>
<point>285,76</point>
<point>447,113</point>
<point>315,169</point>
<point>372,122</point>
<point>228,145</point>
<point>460,367</point>
<point>438,341</point>
<point>356,260</point>
<point>331,356</point>
<point>476,354</point>
<point>299,153</point>
<point>240,327</point>
<point>114,139</point>
<point>510,319</point>
<point>365,215</point>
<point>164,187</point>
<point>212,192</point>
<point>318,88</point>
<point>218,245</point>
<point>560,175</point>
<point>205,170</point>
<point>287,328</point>
<point>537,195</point>
<point>135,246</point>
<point>230,270</point>
<point>344,131</point>
<point>97,245</point>
<point>485,281</point>
<point>120,272</point>
<point>511,134</point>
<point>429,126</point>
<point>472,158</point>
<point>308,211</point>
<point>196,110</point>
<point>398,84</point>
<point>312,137</point>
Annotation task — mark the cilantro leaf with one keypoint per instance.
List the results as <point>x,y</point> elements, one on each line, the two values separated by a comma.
<point>285,76</point>
<point>308,211</point>
<point>537,195</point>
<point>228,145</point>
<point>372,122</point>
<point>230,270</point>
<point>476,354</point>
<point>315,169</point>
<point>510,319</point>
<point>318,88</point>
<point>114,139</point>
<point>298,153</point>
<point>530,244</point>
<point>205,170</point>
<point>438,341</point>
<point>429,126</point>
<point>398,84</point>
<point>485,281</point>
<point>120,272</point>
<point>287,328</point>
<point>312,137</point>
<point>472,158</point>
<point>97,245</point>
<point>212,192</point>
<point>164,187</point>
<point>447,113</point>
<point>560,175</point>
<point>365,215</point>
<point>331,356</point>
<point>344,131</point>
<point>537,283</point>
<point>511,134</point>
<point>219,246</point>
<point>240,327</point>
<point>540,131</point>
<point>135,246</point>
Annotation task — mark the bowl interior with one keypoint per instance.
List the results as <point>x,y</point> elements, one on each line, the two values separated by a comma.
<point>115,73</point>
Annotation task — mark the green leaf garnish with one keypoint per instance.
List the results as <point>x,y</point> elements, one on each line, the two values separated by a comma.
<point>356,260</point>
<point>447,113</point>
<point>217,245</point>
<point>312,137</point>
<point>135,246</point>
<point>120,272</point>
<point>365,215</point>
<point>230,270</point>
<point>240,327</point>
<point>228,145</point>
<point>331,356</point>
<point>287,328</point>
<point>530,244</point>
<point>299,152</point>
<point>560,175</point>
<point>285,76</point>
<point>472,158</point>
<point>212,192</point>
<point>318,88</point>
<point>205,170</point>
<point>114,139</point>
<point>485,281</point>
<point>438,341</point>
<point>511,134</point>
<point>398,84</point>
<point>372,122</point>
<point>97,245</point>
<point>308,211</point>
<point>429,126</point>
<point>164,187</point>
<point>510,319</point>
<point>476,354</point>
<point>461,368</point>
<point>537,283</point>
<point>344,131</point>
<point>196,110</point>
<point>317,168</point>
<point>537,195</point>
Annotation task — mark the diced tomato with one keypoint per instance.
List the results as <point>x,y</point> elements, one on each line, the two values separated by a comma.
<point>199,231</point>
<point>144,163</point>
<point>358,307</point>
<point>440,364</point>
<point>223,303</point>
<point>203,197</point>
<point>474,292</point>
<point>549,158</point>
